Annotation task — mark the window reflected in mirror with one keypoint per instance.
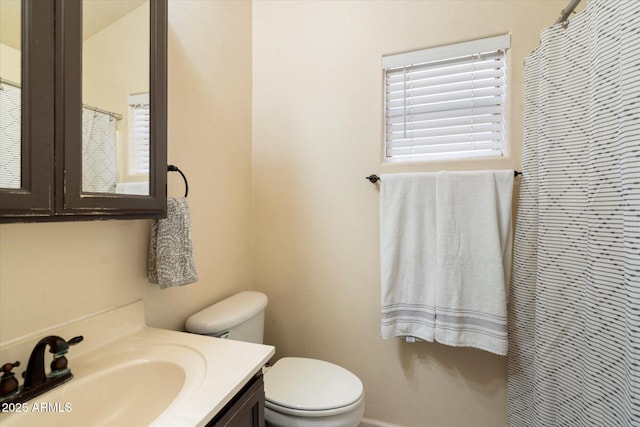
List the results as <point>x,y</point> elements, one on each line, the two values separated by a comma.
<point>115,96</point>
<point>10,93</point>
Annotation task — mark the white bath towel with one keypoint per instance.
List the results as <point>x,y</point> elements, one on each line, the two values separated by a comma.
<point>474,258</point>
<point>408,254</point>
<point>171,261</point>
<point>141,188</point>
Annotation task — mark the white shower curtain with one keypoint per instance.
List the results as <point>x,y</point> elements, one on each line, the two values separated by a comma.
<point>574,309</point>
<point>99,152</point>
<point>10,146</point>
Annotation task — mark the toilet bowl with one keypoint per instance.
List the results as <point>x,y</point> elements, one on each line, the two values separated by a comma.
<point>299,392</point>
<point>306,392</point>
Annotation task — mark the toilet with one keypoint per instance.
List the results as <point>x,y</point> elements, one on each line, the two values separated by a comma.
<point>299,392</point>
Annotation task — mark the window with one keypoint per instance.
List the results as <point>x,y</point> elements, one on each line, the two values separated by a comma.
<point>446,102</point>
<point>139,131</point>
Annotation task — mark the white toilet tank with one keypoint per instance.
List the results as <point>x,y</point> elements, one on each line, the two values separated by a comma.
<point>239,317</point>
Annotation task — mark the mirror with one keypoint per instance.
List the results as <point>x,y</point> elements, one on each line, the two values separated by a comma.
<point>10,93</point>
<point>123,84</point>
<point>115,96</point>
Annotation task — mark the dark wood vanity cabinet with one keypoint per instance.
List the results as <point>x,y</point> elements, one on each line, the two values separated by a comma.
<point>246,409</point>
<point>53,101</point>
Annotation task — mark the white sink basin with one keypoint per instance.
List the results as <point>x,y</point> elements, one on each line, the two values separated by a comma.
<point>150,377</point>
<point>121,390</point>
<point>114,396</point>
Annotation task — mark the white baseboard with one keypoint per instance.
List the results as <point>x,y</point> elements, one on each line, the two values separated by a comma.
<point>368,422</point>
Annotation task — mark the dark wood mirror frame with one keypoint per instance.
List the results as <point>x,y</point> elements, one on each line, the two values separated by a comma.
<point>35,197</point>
<point>51,122</point>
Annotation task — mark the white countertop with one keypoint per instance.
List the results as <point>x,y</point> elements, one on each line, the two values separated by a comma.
<point>212,371</point>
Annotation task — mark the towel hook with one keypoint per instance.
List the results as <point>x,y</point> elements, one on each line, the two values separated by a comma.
<point>173,168</point>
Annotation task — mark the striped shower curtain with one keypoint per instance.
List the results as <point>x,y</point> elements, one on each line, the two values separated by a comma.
<point>574,354</point>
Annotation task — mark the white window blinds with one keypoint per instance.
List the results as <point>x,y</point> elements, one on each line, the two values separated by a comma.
<point>446,102</point>
<point>139,114</point>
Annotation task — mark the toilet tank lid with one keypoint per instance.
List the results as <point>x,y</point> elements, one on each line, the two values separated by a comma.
<point>227,313</point>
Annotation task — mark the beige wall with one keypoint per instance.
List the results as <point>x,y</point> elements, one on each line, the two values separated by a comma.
<point>10,64</point>
<point>317,132</point>
<point>53,272</point>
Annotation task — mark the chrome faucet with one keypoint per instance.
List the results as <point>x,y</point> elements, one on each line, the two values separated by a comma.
<point>36,381</point>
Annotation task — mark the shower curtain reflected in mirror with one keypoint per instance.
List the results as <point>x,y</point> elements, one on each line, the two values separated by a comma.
<point>99,145</point>
<point>10,146</point>
<point>99,152</point>
<point>574,310</point>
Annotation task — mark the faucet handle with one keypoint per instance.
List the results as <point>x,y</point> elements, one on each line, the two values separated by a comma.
<point>59,363</point>
<point>7,367</point>
<point>8,383</point>
<point>75,340</point>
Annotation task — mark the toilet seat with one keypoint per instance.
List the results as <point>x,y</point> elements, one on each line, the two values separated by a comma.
<point>313,414</point>
<point>311,388</point>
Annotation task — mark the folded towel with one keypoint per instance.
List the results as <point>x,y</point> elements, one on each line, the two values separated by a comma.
<point>141,188</point>
<point>474,258</point>
<point>408,254</point>
<point>171,261</point>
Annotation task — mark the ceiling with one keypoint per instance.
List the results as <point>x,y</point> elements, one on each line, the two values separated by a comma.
<point>97,15</point>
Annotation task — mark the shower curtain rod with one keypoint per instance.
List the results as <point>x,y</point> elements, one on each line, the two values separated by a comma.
<point>100,110</point>
<point>88,107</point>
<point>564,15</point>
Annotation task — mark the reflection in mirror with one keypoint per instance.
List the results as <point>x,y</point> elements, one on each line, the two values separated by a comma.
<point>115,94</point>
<point>10,94</point>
